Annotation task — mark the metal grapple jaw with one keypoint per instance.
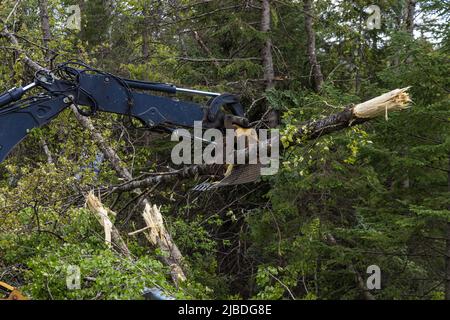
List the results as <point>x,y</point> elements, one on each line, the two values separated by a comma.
<point>236,174</point>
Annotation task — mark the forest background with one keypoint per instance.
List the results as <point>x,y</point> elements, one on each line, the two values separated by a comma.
<point>375,194</point>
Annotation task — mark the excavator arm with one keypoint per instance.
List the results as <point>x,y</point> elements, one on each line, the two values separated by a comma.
<point>74,83</point>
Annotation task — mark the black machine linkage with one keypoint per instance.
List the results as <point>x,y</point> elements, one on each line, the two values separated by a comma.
<point>78,84</point>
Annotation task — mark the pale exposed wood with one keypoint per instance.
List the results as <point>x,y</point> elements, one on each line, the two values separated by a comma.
<point>158,236</point>
<point>47,150</point>
<point>394,100</point>
<point>112,235</point>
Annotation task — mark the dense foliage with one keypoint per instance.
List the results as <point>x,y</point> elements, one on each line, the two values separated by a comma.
<point>376,194</point>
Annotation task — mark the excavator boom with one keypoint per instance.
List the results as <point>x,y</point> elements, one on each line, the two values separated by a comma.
<point>75,83</point>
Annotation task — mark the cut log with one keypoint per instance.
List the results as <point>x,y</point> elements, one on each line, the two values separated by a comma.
<point>158,236</point>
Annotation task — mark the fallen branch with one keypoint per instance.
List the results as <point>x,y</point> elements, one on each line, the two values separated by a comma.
<point>392,101</point>
<point>158,236</point>
<point>184,173</point>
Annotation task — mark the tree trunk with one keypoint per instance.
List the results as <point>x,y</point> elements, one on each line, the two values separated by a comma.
<point>146,11</point>
<point>145,42</point>
<point>311,46</point>
<point>46,38</point>
<point>47,151</point>
<point>45,27</point>
<point>410,11</point>
<point>158,236</point>
<point>112,235</point>
<point>267,59</point>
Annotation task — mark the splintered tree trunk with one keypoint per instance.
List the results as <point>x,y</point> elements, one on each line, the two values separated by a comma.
<point>394,100</point>
<point>311,46</point>
<point>172,255</point>
<point>391,101</point>
<point>112,235</point>
<point>157,234</point>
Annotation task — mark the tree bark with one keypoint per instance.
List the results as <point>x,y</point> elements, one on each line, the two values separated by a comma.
<point>104,147</point>
<point>273,117</point>
<point>112,235</point>
<point>46,38</point>
<point>311,46</point>
<point>45,27</point>
<point>47,151</point>
<point>409,16</point>
<point>146,11</point>
<point>266,52</point>
<point>184,173</point>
